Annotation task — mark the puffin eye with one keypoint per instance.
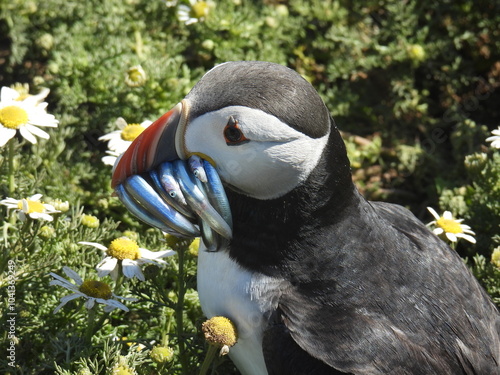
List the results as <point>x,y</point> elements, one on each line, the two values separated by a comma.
<point>233,134</point>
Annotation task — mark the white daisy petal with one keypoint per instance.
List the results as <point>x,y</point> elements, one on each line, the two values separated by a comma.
<point>44,119</point>
<point>109,136</point>
<point>8,94</point>
<point>41,215</point>
<point>70,273</point>
<point>38,98</point>
<point>438,231</point>
<point>58,307</point>
<point>26,134</point>
<point>25,206</point>
<point>451,236</point>
<point>495,138</point>
<point>447,215</point>
<point>109,160</point>
<point>108,308</point>
<point>131,269</point>
<point>116,304</point>
<point>106,265</point>
<point>42,105</point>
<point>466,237</point>
<point>145,253</point>
<point>90,303</point>
<point>6,135</point>
<point>62,281</point>
<point>70,297</point>
<point>36,131</point>
<point>121,123</point>
<point>95,244</point>
<point>150,261</point>
<point>66,285</point>
<point>139,274</point>
<point>433,213</point>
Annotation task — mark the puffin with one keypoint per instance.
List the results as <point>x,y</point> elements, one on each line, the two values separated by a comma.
<point>316,278</point>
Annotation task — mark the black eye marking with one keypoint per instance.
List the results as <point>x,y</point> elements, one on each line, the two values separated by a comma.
<point>233,134</point>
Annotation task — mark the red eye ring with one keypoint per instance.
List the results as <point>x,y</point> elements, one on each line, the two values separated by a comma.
<point>233,134</point>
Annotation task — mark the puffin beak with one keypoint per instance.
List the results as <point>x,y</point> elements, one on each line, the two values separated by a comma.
<point>161,141</point>
<point>156,185</point>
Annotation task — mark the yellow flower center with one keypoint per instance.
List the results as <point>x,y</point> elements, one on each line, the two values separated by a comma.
<point>132,131</point>
<point>33,206</point>
<point>200,9</point>
<point>96,289</point>
<point>220,331</point>
<point>449,225</point>
<point>124,248</point>
<point>13,117</point>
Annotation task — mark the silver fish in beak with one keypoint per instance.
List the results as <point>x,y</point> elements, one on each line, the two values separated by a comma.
<point>164,188</point>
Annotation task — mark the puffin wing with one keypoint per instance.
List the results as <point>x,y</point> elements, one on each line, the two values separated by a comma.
<point>390,299</point>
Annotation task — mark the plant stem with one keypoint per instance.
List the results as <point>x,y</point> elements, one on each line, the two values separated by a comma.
<point>12,182</point>
<point>179,312</point>
<point>89,332</point>
<point>166,322</point>
<point>212,350</point>
<point>119,279</point>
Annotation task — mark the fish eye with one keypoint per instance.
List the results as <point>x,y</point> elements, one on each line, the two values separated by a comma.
<point>172,194</point>
<point>233,134</point>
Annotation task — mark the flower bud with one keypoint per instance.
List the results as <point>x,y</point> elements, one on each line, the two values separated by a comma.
<point>161,354</point>
<point>416,52</point>
<point>90,221</point>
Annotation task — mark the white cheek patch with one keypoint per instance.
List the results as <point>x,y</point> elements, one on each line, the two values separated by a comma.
<point>277,159</point>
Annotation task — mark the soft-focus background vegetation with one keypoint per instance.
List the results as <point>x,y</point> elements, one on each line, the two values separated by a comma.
<point>413,85</point>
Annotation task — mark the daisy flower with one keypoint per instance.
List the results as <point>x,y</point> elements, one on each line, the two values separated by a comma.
<point>92,290</point>
<point>23,115</point>
<point>194,12</point>
<point>495,138</point>
<point>125,252</point>
<point>450,227</point>
<point>119,140</point>
<point>32,207</point>
<point>220,332</point>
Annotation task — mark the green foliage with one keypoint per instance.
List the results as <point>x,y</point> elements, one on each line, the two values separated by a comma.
<point>414,86</point>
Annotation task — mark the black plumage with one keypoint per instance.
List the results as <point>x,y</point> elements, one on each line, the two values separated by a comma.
<point>369,289</point>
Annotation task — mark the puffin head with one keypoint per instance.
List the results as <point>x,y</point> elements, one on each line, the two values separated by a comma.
<point>261,125</point>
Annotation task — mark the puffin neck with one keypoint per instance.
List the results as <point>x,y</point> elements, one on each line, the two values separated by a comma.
<point>267,233</point>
